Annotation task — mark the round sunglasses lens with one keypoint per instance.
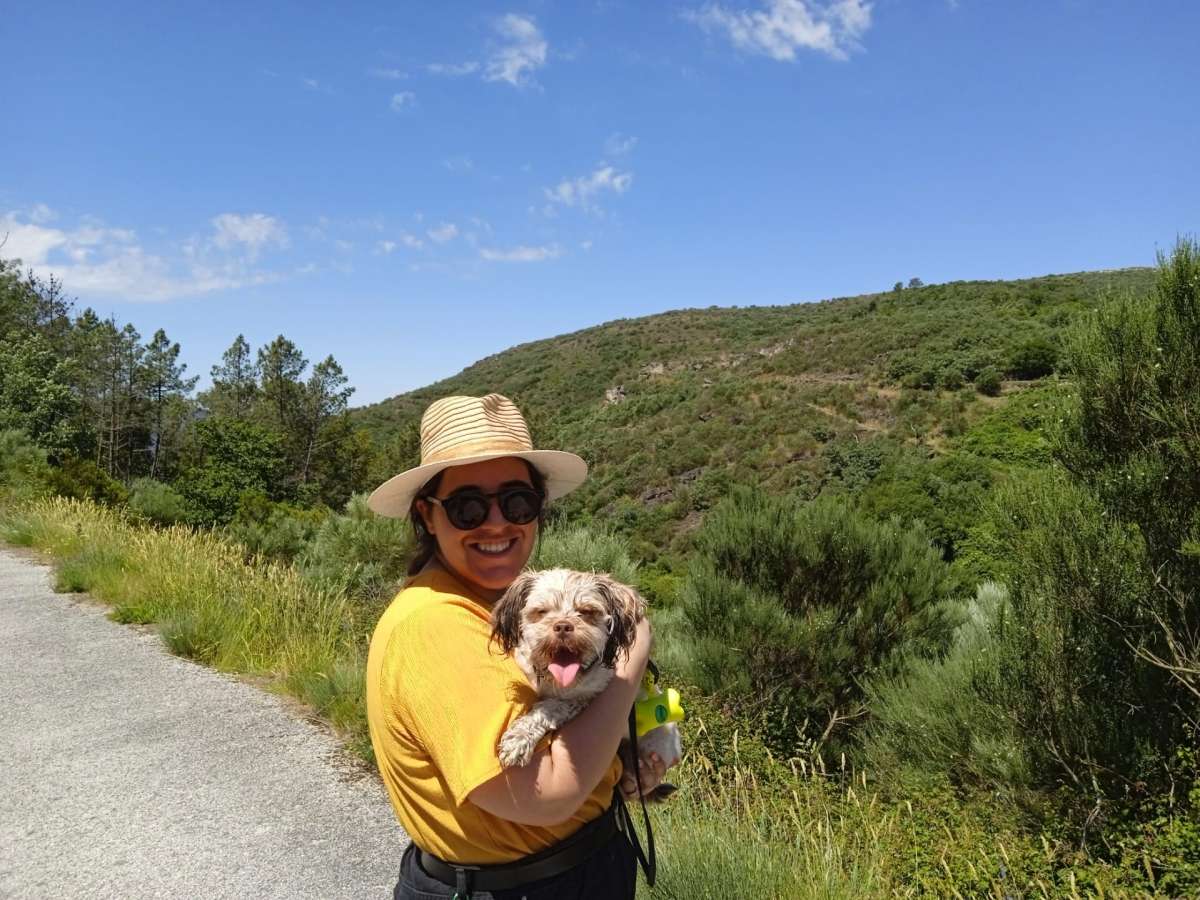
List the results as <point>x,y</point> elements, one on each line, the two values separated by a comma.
<point>520,506</point>
<point>467,511</point>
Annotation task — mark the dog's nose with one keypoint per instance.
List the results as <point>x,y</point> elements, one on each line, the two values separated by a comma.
<point>562,629</point>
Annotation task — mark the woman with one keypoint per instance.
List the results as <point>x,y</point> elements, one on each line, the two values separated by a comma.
<point>440,695</point>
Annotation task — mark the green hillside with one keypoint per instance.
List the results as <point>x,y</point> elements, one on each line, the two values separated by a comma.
<point>671,409</point>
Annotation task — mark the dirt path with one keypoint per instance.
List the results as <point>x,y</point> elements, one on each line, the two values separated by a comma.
<point>131,773</point>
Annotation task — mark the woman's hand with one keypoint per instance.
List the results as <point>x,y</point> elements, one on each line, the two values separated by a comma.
<point>652,769</point>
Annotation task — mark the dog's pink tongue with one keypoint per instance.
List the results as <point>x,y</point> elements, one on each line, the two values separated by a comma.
<point>564,673</point>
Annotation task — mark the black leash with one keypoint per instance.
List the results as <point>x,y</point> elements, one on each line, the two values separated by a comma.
<point>648,861</point>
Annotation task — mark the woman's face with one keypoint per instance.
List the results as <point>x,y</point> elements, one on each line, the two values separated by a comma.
<point>489,557</point>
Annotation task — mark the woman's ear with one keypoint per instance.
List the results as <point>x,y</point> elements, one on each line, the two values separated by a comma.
<point>425,511</point>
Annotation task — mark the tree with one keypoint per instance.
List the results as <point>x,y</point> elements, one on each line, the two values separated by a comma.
<point>915,283</point>
<point>224,460</point>
<point>36,395</point>
<point>324,397</point>
<point>280,365</point>
<point>165,386</point>
<point>235,382</point>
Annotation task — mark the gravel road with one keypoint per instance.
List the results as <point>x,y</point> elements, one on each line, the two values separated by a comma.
<point>126,772</point>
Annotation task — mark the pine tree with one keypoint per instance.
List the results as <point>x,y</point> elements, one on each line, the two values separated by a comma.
<point>235,382</point>
<point>166,387</point>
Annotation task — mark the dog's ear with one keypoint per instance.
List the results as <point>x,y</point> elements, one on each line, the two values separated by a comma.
<point>506,614</point>
<point>627,608</point>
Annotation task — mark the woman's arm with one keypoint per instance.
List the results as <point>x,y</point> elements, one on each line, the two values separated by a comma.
<point>559,778</point>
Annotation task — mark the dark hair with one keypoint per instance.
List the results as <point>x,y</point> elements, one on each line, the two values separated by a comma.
<point>427,543</point>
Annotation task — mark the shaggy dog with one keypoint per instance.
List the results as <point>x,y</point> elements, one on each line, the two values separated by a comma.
<point>565,629</point>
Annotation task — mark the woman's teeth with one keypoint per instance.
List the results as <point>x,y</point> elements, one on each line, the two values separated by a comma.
<point>498,547</point>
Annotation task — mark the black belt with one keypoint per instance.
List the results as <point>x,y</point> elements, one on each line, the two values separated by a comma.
<point>544,864</point>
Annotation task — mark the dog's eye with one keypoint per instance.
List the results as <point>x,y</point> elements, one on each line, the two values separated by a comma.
<point>592,614</point>
<point>535,615</point>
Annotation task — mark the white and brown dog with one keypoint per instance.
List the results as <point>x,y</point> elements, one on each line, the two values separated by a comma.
<point>565,630</point>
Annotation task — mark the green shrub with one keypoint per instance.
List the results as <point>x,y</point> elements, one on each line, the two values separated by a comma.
<point>358,552</point>
<point>157,502</point>
<point>791,606</point>
<point>1091,712</point>
<point>933,718</point>
<point>585,549</point>
<point>1035,358</point>
<point>987,382</point>
<point>82,479</point>
<point>23,468</point>
<point>270,530</point>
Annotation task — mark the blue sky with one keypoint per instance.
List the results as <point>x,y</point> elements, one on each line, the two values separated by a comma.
<point>411,187</point>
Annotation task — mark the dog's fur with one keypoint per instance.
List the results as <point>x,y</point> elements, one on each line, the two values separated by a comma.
<point>558,618</point>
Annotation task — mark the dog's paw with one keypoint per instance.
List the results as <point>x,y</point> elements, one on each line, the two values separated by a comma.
<point>516,749</point>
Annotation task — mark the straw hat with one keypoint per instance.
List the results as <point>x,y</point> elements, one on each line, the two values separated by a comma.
<point>456,431</point>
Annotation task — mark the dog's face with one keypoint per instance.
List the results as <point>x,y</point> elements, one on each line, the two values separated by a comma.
<point>562,625</point>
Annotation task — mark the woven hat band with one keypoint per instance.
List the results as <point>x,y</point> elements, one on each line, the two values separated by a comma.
<point>473,448</point>
<point>456,427</point>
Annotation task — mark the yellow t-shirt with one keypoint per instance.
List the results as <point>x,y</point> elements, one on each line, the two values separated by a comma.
<point>439,696</point>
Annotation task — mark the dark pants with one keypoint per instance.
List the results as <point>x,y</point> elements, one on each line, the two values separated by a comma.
<point>608,874</point>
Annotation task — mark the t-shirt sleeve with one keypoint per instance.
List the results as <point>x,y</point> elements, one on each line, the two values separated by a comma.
<point>457,693</point>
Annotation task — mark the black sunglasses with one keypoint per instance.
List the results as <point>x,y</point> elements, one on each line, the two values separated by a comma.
<point>469,509</point>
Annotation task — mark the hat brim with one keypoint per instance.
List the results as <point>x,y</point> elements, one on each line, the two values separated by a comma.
<point>563,473</point>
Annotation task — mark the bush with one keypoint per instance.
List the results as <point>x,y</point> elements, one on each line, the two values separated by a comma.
<point>1092,713</point>
<point>585,549</point>
<point>987,382</point>
<point>23,468</point>
<point>791,606</point>
<point>361,553</point>
<point>82,479</point>
<point>1035,358</point>
<point>933,717</point>
<point>277,531</point>
<point>157,502</point>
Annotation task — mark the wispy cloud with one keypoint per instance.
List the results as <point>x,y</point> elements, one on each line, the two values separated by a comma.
<point>458,164</point>
<point>252,232</point>
<point>388,74</point>
<point>95,259</point>
<point>583,190</point>
<point>403,100</point>
<point>453,70</point>
<point>619,144</point>
<point>385,247</point>
<point>522,52</point>
<point>521,254</point>
<point>447,231</point>
<point>782,27</point>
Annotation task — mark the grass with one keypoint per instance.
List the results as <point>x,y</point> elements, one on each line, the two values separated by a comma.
<point>742,825</point>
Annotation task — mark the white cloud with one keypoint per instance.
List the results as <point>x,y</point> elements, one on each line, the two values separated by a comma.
<point>581,191</point>
<point>784,26</point>
<point>619,144</point>
<point>411,241</point>
<point>93,258</point>
<point>447,231</point>
<point>389,74</point>
<point>385,247</point>
<point>453,70</point>
<point>403,100</point>
<point>523,52</point>
<point>521,254</point>
<point>253,232</point>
